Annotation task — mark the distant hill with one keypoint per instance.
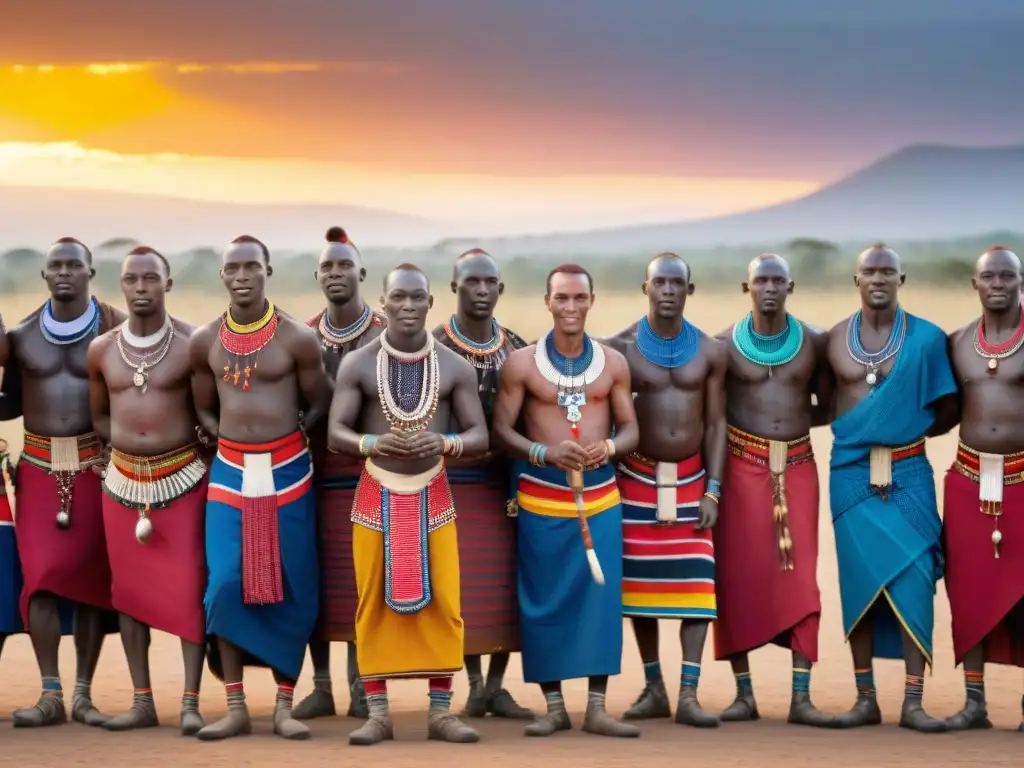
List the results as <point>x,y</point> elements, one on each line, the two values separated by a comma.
<point>920,192</point>
<point>36,216</point>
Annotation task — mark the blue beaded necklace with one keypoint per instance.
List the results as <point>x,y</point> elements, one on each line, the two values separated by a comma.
<point>770,351</point>
<point>570,366</point>
<point>667,353</point>
<point>872,361</point>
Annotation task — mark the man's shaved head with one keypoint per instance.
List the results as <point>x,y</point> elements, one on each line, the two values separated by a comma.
<point>666,257</point>
<point>877,253</point>
<point>996,256</point>
<point>765,262</point>
<point>402,269</point>
<point>472,258</point>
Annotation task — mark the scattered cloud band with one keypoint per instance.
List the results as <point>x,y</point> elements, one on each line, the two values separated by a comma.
<point>113,68</point>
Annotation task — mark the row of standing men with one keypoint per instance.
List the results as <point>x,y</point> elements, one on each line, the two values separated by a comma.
<point>587,477</point>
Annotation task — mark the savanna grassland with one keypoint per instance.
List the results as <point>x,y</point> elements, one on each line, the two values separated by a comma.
<point>765,744</point>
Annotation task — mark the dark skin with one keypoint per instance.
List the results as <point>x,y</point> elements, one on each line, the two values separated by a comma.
<point>55,402</point>
<point>878,277</point>
<point>993,421</point>
<point>680,411</point>
<point>476,283</point>
<point>406,302</point>
<point>340,274</point>
<point>290,372</point>
<point>160,421</point>
<point>477,286</point>
<point>525,391</point>
<point>785,402</point>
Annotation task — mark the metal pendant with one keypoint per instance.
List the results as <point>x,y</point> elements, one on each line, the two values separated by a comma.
<point>993,365</point>
<point>140,378</point>
<point>63,520</point>
<point>572,402</point>
<point>871,378</point>
<point>144,527</point>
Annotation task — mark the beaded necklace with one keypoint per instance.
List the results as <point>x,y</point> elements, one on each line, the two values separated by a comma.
<point>996,352</point>
<point>673,352</point>
<point>63,333</point>
<point>571,375</point>
<point>408,385</point>
<point>485,355</point>
<point>770,351</point>
<point>872,361</point>
<point>131,346</point>
<point>336,338</point>
<point>246,341</point>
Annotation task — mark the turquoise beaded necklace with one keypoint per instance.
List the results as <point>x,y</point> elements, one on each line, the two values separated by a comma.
<point>770,351</point>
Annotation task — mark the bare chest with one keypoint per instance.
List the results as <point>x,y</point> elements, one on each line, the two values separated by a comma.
<point>268,365</point>
<point>647,377</point>
<point>40,359</point>
<point>796,374</point>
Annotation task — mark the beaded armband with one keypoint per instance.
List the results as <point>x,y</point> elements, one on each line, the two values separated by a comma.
<point>366,443</point>
<point>537,453</point>
<point>714,491</point>
<point>452,445</point>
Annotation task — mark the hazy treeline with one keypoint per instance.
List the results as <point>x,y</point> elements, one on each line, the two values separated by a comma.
<point>814,262</point>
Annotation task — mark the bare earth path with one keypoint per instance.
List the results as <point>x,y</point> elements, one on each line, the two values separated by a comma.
<point>766,744</point>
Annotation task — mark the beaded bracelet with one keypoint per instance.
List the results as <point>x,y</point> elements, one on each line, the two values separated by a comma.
<point>452,445</point>
<point>537,453</point>
<point>714,491</point>
<point>366,443</point>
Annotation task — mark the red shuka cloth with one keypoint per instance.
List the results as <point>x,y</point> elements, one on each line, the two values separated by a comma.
<point>70,563</point>
<point>758,601</point>
<point>161,583</point>
<point>984,591</point>
<point>335,478</point>
<point>487,567</point>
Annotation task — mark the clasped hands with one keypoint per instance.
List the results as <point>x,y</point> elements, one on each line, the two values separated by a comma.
<point>400,445</point>
<point>571,456</point>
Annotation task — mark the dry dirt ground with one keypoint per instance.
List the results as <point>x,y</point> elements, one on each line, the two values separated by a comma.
<point>767,743</point>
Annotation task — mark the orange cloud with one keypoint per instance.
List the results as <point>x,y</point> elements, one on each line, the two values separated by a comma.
<point>103,69</point>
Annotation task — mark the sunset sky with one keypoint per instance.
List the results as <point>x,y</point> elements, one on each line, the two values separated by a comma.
<point>498,115</point>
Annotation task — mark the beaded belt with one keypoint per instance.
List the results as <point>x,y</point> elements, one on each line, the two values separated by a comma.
<point>64,458</point>
<point>153,481</point>
<point>759,450</point>
<point>881,461</point>
<point>992,472</point>
<point>777,456</point>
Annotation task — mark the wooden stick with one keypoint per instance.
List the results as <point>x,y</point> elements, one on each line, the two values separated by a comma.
<point>575,478</point>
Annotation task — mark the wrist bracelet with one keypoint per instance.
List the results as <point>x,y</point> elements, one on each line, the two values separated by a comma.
<point>452,445</point>
<point>611,447</point>
<point>714,487</point>
<point>537,453</point>
<point>366,443</point>
<point>712,496</point>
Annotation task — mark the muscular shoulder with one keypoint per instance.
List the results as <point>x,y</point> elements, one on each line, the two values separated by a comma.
<point>725,335</point>
<point>438,333</point>
<point>110,316</point>
<point>203,336</point>
<point>716,350</point>
<point>518,363</point>
<point>964,332</point>
<point>619,341</point>
<point>816,336</point>
<point>30,321</point>
<point>614,360</point>
<point>98,348</point>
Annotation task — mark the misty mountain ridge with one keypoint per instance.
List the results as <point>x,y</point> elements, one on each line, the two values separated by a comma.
<point>920,192</point>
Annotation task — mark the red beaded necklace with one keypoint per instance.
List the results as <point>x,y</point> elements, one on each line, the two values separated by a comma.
<point>995,352</point>
<point>246,341</point>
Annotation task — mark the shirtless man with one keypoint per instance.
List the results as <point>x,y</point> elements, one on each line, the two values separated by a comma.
<point>571,391</point>
<point>766,540</point>
<point>670,486</point>
<point>894,387</point>
<point>983,523</point>
<point>345,324</point>
<point>60,504</point>
<point>404,540</point>
<point>251,369</point>
<point>154,484</point>
<point>487,546</point>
